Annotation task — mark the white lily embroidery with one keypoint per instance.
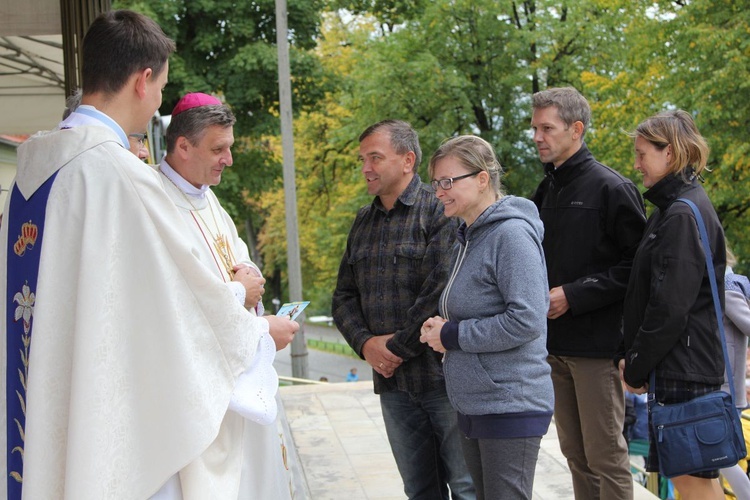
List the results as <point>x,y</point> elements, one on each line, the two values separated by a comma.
<point>25,300</point>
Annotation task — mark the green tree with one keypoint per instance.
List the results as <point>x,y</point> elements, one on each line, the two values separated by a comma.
<point>470,66</point>
<point>692,55</point>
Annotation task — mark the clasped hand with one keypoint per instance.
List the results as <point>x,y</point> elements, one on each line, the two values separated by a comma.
<point>249,277</point>
<point>430,333</point>
<point>376,353</point>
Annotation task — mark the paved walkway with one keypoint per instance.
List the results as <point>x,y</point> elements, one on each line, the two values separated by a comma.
<point>340,450</point>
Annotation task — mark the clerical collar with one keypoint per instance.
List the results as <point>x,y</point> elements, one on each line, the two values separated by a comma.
<point>181,183</point>
<point>89,115</point>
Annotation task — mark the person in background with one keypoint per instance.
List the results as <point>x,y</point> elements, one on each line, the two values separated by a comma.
<point>493,321</point>
<point>390,278</point>
<point>737,331</point>
<point>669,318</point>
<point>593,220</point>
<point>636,417</point>
<point>138,147</point>
<point>352,375</point>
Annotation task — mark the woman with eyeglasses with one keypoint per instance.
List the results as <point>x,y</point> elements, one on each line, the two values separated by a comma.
<point>493,320</point>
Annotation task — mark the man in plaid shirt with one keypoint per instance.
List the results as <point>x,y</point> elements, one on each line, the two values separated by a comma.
<point>390,279</point>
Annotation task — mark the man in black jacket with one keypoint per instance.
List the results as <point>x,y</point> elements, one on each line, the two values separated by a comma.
<point>593,221</point>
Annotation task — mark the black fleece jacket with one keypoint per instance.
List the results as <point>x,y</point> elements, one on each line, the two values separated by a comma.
<point>593,220</point>
<point>669,318</point>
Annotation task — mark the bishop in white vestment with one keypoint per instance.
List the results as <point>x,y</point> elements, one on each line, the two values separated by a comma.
<point>199,144</point>
<point>264,472</point>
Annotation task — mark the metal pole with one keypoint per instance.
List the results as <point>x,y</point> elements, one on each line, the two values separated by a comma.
<point>294,269</point>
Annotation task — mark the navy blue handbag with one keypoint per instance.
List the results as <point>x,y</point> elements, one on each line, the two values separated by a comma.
<point>704,433</point>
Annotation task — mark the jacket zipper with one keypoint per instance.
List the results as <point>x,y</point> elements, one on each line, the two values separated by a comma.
<point>661,427</point>
<point>454,273</point>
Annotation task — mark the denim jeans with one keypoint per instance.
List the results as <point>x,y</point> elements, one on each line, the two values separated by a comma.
<point>426,444</point>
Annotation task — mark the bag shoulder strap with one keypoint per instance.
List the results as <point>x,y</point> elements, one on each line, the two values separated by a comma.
<point>714,292</point>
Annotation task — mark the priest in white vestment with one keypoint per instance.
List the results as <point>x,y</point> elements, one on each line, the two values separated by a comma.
<point>121,349</point>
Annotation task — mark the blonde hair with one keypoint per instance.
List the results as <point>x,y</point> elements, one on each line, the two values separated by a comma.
<point>731,258</point>
<point>677,129</point>
<point>474,153</point>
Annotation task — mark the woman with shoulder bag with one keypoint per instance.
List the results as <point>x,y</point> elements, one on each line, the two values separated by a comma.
<point>670,323</point>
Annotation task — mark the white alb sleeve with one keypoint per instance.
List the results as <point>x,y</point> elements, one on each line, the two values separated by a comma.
<point>254,395</point>
<point>238,290</point>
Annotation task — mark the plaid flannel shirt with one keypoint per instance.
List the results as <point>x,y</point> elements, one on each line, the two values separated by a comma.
<point>390,279</point>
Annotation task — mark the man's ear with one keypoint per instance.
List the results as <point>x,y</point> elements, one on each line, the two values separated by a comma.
<point>182,147</point>
<point>142,78</point>
<point>409,159</point>
<point>577,129</point>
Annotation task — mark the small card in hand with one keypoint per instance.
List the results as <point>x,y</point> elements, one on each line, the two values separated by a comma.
<point>292,309</point>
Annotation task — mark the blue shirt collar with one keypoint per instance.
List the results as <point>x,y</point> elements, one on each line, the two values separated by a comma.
<point>92,112</point>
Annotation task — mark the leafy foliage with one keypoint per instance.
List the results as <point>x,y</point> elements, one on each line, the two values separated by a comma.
<point>709,72</point>
<point>228,48</point>
<point>453,67</point>
<point>694,56</point>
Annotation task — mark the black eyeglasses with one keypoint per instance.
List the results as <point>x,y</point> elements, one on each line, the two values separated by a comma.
<point>446,184</point>
<point>138,137</point>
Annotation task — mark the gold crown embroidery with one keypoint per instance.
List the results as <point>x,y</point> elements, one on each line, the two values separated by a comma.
<point>27,239</point>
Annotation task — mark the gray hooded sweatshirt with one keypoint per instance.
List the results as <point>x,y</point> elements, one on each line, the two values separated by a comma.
<point>496,302</point>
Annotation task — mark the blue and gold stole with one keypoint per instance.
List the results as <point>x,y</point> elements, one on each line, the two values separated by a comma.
<point>25,219</point>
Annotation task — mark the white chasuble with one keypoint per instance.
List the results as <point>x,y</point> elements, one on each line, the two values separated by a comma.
<point>136,346</point>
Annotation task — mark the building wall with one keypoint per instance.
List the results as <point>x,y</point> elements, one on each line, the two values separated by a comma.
<point>7,171</point>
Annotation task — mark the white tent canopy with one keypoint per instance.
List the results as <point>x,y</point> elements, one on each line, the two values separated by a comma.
<point>32,90</point>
